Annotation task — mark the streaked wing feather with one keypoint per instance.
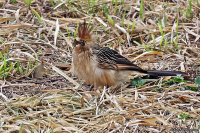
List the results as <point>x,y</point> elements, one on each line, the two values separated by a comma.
<point>110,59</point>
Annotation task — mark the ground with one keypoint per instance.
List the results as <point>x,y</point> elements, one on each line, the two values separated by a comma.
<point>40,94</point>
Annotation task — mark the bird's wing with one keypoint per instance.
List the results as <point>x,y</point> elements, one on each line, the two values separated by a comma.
<point>110,59</point>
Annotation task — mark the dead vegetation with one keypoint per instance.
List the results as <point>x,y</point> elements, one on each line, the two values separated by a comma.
<point>160,35</point>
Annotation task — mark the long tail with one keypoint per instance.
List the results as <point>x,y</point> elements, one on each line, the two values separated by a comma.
<point>166,73</point>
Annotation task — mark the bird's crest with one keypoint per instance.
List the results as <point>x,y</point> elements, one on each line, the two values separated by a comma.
<point>83,32</point>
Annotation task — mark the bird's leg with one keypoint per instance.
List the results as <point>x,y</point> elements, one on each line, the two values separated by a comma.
<point>91,87</point>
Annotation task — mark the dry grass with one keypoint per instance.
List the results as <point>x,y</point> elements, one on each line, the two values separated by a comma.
<point>165,37</point>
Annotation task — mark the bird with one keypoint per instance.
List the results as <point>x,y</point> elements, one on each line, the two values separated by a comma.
<point>101,66</point>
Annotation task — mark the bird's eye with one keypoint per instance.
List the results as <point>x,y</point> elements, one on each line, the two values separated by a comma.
<point>82,43</point>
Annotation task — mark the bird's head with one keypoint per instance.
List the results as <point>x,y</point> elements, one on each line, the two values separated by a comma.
<point>81,43</point>
<point>80,46</point>
<point>85,40</point>
<point>85,33</point>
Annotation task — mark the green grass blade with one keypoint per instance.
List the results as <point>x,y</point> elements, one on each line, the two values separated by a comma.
<point>1,40</point>
<point>141,9</point>
<point>154,41</point>
<point>93,3</point>
<point>28,2</point>
<point>1,56</point>
<point>137,43</point>
<point>88,3</point>
<point>103,28</point>
<point>70,4</point>
<point>190,6</point>
<point>18,65</point>
<point>75,33</point>
<point>68,31</point>
<point>176,42</point>
<point>133,26</point>
<point>20,131</point>
<point>52,3</point>
<point>29,64</point>
<point>38,16</point>
<point>110,19</point>
<point>122,2</point>
<point>10,68</point>
<point>160,28</point>
<point>5,70</point>
<point>93,29</point>
<point>39,52</point>
<point>2,65</point>
<point>89,21</point>
<point>165,43</point>
<point>115,4</point>
<point>13,2</point>
<point>161,41</point>
<point>165,20</point>
<point>147,48</point>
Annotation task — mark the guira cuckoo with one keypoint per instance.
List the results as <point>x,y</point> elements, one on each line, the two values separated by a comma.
<point>102,66</point>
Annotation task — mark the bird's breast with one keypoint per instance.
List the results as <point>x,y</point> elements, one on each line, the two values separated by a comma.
<point>85,67</point>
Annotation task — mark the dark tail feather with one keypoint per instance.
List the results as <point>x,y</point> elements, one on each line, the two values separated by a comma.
<point>166,73</point>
